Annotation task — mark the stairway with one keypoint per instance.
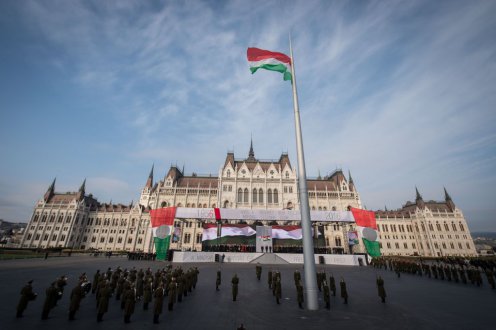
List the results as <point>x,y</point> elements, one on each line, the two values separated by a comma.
<point>269,259</point>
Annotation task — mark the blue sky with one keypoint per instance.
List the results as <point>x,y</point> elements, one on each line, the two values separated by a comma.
<point>402,93</point>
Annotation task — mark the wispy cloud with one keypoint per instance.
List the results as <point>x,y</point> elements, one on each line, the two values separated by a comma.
<point>401,93</point>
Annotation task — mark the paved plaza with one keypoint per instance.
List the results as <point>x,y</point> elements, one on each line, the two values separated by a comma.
<point>413,302</point>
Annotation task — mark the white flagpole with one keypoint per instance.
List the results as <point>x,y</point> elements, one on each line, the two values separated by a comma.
<point>308,254</point>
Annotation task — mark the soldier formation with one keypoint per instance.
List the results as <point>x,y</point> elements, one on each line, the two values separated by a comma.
<point>128,286</point>
<point>457,270</point>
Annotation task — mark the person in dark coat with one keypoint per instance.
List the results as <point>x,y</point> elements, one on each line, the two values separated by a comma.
<point>130,301</point>
<point>172,293</point>
<point>158,303</point>
<point>27,295</point>
<point>235,282</point>
<point>278,290</point>
<point>327,295</point>
<point>344,292</point>
<point>380,289</point>
<point>103,301</point>
<point>299,294</point>
<point>269,278</point>
<point>218,280</point>
<point>258,270</point>
<point>76,295</point>
<point>147,293</point>
<point>332,285</point>
<point>50,300</point>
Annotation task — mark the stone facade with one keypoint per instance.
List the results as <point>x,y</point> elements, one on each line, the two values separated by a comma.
<point>77,220</point>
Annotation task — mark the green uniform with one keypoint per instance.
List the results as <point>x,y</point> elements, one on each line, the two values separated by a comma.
<point>218,280</point>
<point>258,270</point>
<point>158,303</point>
<point>172,294</point>
<point>327,294</point>
<point>130,301</point>
<point>235,282</point>
<point>278,290</point>
<point>76,295</point>
<point>299,294</point>
<point>344,292</point>
<point>380,289</point>
<point>27,295</point>
<point>103,301</point>
<point>332,285</point>
<point>269,279</point>
<point>50,300</point>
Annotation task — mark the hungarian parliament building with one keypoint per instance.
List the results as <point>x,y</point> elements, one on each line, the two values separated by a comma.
<point>79,221</point>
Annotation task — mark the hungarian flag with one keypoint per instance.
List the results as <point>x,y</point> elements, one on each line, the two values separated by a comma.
<point>210,231</point>
<point>162,221</point>
<point>367,227</point>
<point>265,59</point>
<point>287,232</point>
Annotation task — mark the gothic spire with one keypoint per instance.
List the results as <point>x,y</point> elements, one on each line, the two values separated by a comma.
<point>149,182</point>
<point>50,191</point>
<point>83,186</point>
<point>418,196</point>
<point>447,197</point>
<point>350,179</point>
<point>251,153</point>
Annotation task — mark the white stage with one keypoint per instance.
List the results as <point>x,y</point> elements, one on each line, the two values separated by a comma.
<point>247,257</point>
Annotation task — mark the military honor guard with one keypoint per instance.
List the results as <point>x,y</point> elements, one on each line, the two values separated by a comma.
<point>27,295</point>
<point>235,282</point>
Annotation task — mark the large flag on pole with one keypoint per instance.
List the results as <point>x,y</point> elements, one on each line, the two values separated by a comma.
<point>367,227</point>
<point>265,59</point>
<point>162,221</point>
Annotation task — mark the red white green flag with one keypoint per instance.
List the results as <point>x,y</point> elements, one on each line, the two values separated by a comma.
<point>265,59</point>
<point>162,221</point>
<point>367,227</point>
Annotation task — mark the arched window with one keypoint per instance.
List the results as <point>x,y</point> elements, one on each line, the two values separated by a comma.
<point>313,208</point>
<point>260,195</point>
<point>453,226</point>
<point>193,205</point>
<point>338,241</point>
<point>276,196</point>
<point>245,199</point>
<point>205,205</point>
<point>320,208</point>
<point>254,197</point>
<point>240,195</point>
<point>226,204</point>
<point>438,226</point>
<point>334,208</point>
<point>287,175</point>
<point>269,196</point>
<point>164,204</point>
<point>228,173</point>
<point>446,226</point>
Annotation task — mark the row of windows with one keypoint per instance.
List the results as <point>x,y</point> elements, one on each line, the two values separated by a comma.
<point>272,172</point>
<point>258,196</point>
<point>52,218</point>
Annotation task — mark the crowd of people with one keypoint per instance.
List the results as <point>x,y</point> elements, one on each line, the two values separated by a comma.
<point>127,286</point>
<point>141,256</point>
<point>229,248</point>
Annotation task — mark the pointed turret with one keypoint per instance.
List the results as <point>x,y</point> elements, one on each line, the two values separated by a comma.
<point>149,182</point>
<point>350,182</point>
<point>251,153</point>
<point>448,200</point>
<point>50,191</point>
<point>81,192</point>
<point>418,199</point>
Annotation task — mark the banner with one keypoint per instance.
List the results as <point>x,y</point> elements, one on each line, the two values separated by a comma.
<point>352,238</point>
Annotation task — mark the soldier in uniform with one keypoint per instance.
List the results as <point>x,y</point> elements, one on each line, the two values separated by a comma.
<point>130,301</point>
<point>76,295</point>
<point>269,278</point>
<point>258,270</point>
<point>158,303</point>
<point>50,300</point>
<point>380,289</point>
<point>147,293</point>
<point>103,301</point>
<point>172,293</point>
<point>235,282</point>
<point>278,290</point>
<point>327,295</point>
<point>344,292</point>
<point>218,280</point>
<point>332,284</point>
<point>297,277</point>
<point>27,295</point>
<point>96,279</point>
<point>180,288</point>
<point>299,294</point>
